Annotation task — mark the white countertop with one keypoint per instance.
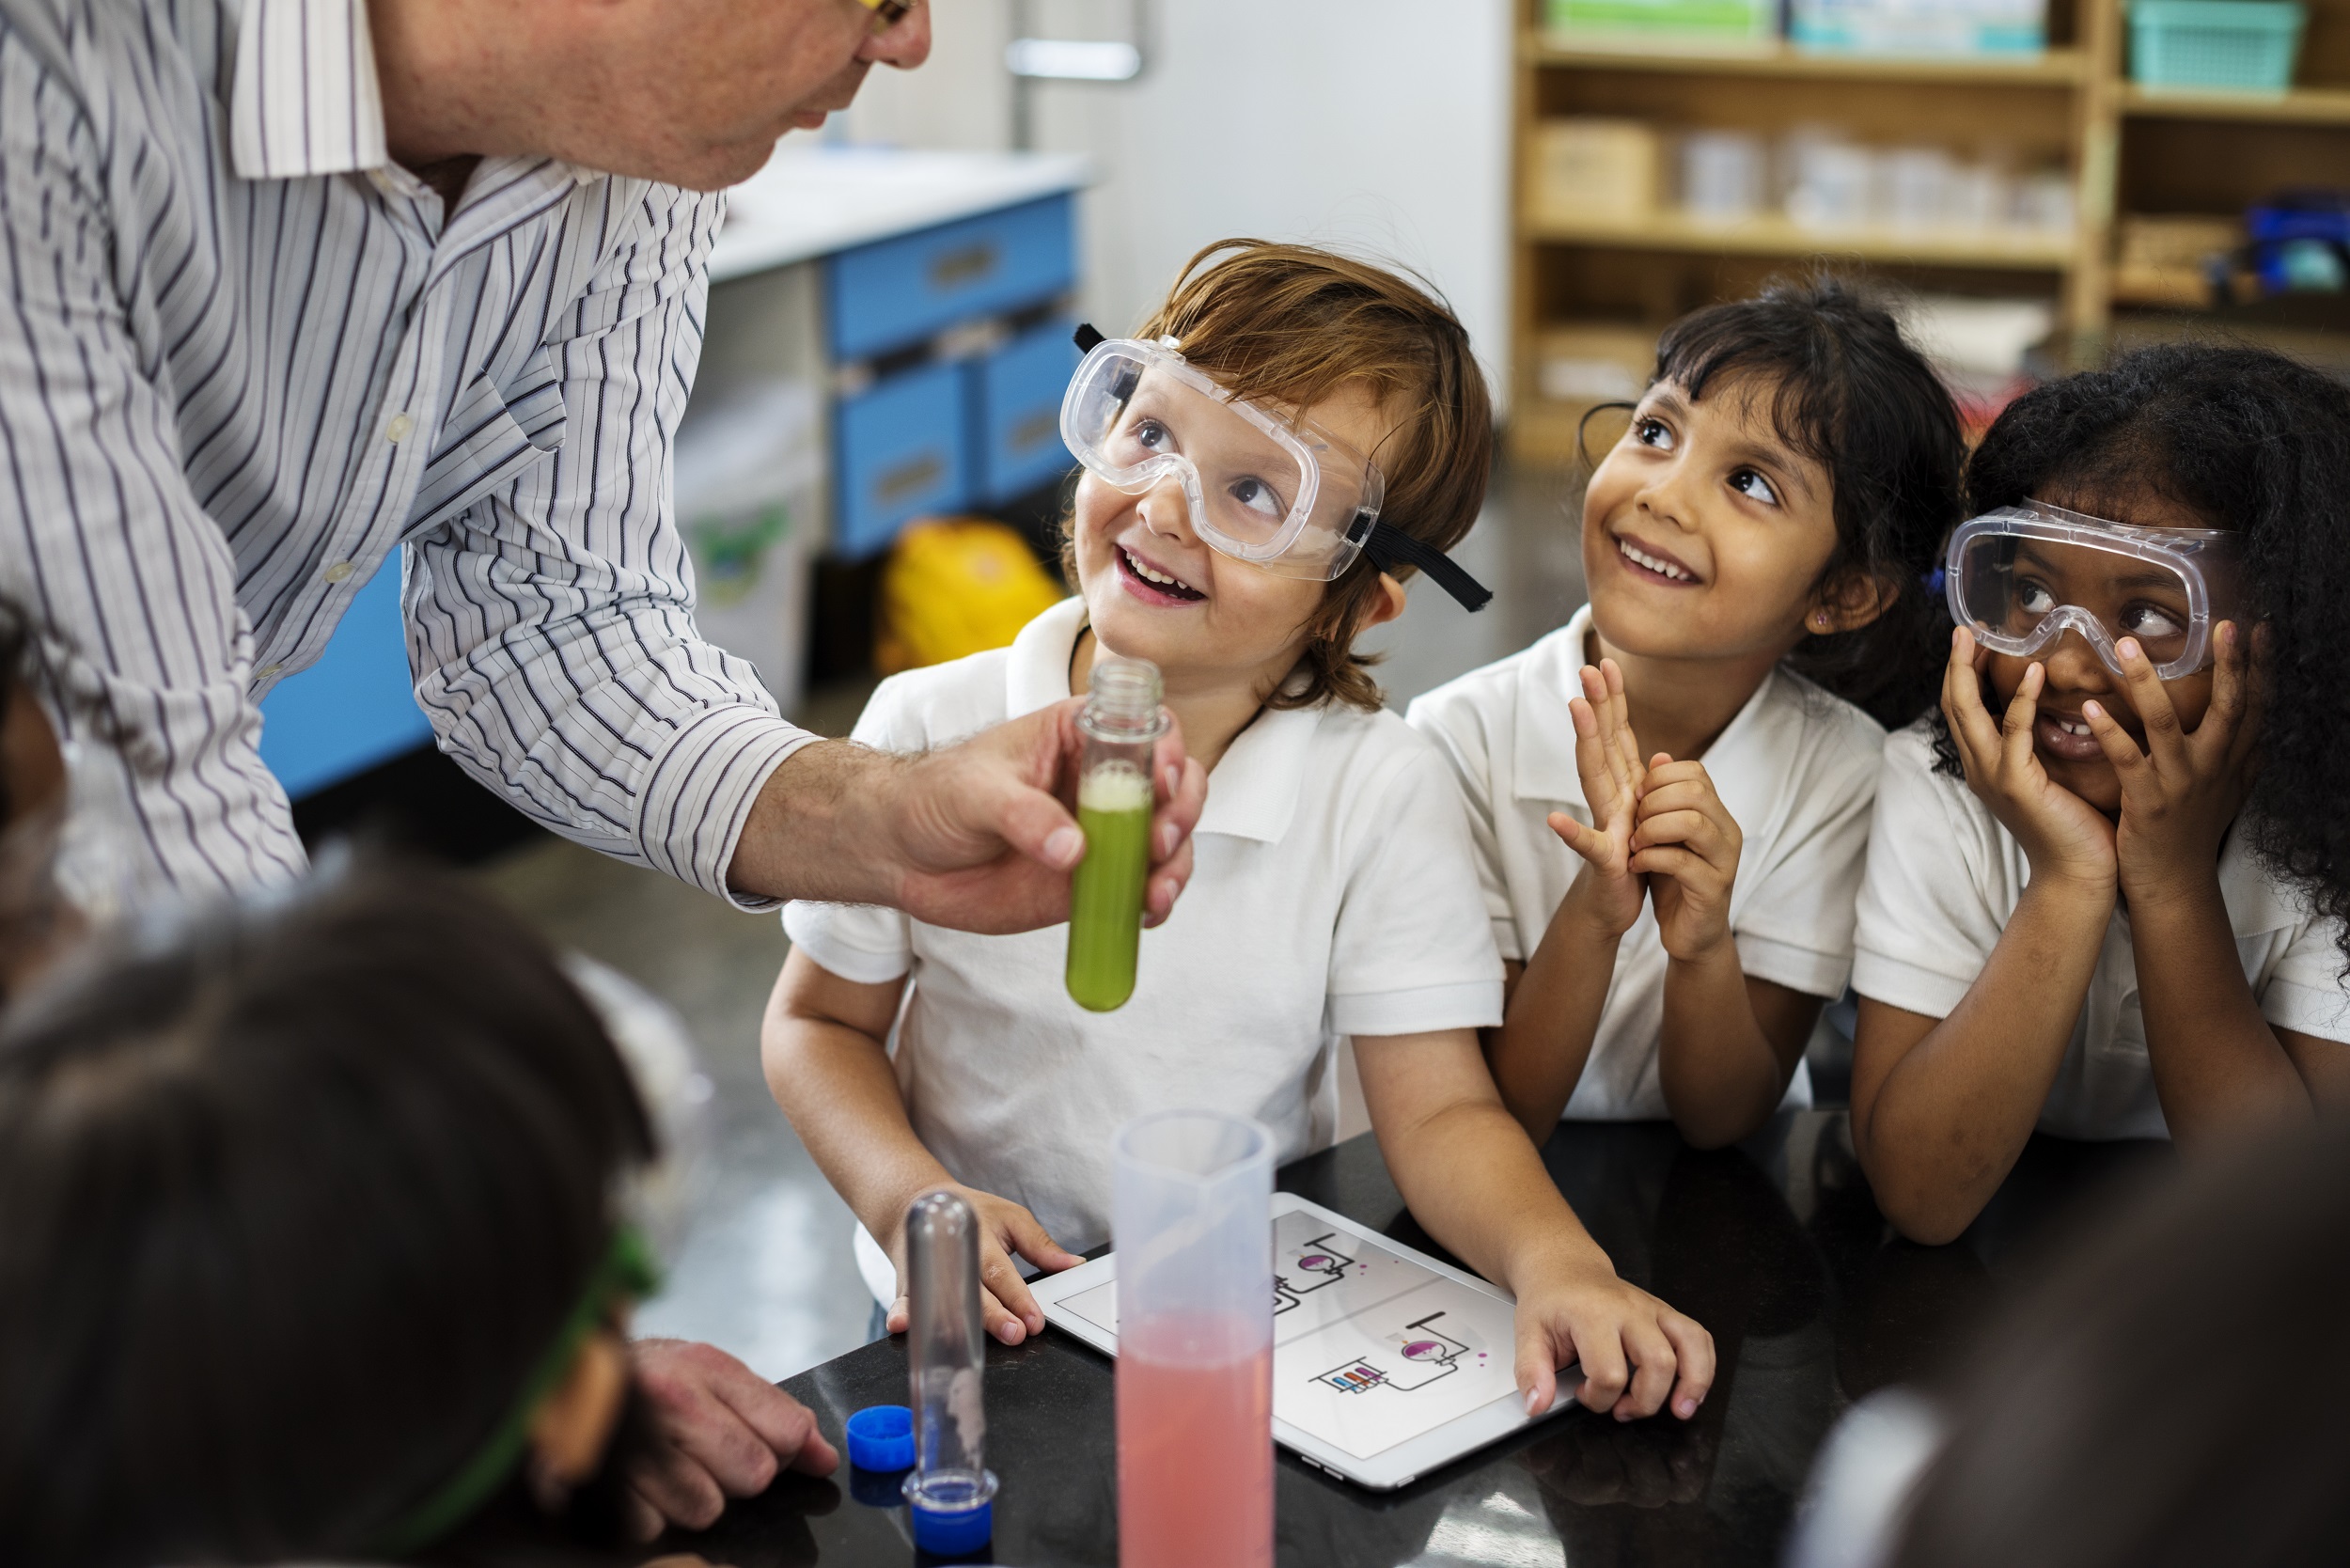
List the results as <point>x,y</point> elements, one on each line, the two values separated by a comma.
<point>813,200</point>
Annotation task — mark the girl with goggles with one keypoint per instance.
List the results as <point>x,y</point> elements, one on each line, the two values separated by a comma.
<point>2106,884</point>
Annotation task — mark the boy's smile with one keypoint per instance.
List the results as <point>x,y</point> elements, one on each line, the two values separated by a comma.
<point>1150,583</point>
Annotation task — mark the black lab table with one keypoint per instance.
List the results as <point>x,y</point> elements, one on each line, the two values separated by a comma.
<point>1776,1246</point>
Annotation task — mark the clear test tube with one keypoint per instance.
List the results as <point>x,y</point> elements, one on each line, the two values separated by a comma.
<point>950,1490</point>
<point>1121,722</point>
<point>1190,1214</point>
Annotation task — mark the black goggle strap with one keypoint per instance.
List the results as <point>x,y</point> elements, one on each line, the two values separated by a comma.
<point>1087,338</point>
<point>1389,547</point>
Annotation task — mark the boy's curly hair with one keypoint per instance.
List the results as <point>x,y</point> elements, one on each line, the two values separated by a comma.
<point>2247,439</point>
<point>1292,326</point>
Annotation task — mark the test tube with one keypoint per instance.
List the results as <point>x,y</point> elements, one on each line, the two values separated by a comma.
<point>1121,722</point>
<point>1191,1217</point>
<point>950,1490</point>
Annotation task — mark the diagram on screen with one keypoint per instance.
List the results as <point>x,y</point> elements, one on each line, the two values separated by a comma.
<point>1422,1355</point>
<point>1315,1264</point>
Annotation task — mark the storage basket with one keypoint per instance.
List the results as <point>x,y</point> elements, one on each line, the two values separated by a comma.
<point>2248,45</point>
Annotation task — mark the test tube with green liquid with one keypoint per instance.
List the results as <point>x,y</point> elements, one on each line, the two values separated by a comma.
<point>1122,720</point>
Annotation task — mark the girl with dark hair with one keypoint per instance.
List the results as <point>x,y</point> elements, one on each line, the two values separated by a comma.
<point>2106,883</point>
<point>1674,909</point>
<point>317,1245</point>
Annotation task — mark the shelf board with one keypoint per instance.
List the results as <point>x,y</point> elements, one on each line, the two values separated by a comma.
<point>1776,236</point>
<point>2055,68</point>
<point>2301,106</point>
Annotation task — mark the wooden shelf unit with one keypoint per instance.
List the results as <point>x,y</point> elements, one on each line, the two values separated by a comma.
<point>2127,150</point>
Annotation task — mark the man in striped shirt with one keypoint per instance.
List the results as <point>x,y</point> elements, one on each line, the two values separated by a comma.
<point>288,286</point>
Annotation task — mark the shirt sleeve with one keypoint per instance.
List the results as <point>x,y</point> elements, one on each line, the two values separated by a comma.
<point>863,942</point>
<point>2308,992</point>
<point>1455,727</point>
<point>1413,950</point>
<point>103,543</point>
<point>551,625</point>
<point>1926,925</point>
<point>1794,927</point>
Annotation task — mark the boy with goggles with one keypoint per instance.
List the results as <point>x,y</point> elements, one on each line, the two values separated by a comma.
<point>1334,905</point>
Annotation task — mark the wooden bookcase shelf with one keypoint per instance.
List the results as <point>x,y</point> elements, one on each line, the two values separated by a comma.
<point>2128,150</point>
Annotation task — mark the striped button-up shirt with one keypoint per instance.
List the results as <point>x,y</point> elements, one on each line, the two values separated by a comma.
<point>244,359</point>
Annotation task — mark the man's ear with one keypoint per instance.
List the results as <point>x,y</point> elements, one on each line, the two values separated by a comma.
<point>1386,605</point>
<point>1850,601</point>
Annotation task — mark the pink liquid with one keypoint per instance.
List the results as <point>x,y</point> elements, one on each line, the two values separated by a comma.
<point>1195,1459</point>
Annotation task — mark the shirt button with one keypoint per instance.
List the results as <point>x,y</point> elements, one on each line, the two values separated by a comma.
<point>396,430</point>
<point>340,572</point>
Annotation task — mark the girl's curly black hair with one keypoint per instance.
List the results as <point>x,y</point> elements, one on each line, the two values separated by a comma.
<point>2251,440</point>
<point>1846,390</point>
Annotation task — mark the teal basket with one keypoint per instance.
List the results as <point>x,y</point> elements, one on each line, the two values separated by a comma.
<point>2246,45</point>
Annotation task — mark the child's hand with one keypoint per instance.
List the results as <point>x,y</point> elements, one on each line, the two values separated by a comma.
<point>1687,844</point>
<point>2179,794</point>
<point>1607,892</point>
<point>1010,1312</point>
<point>2062,835</point>
<point>1631,1348</point>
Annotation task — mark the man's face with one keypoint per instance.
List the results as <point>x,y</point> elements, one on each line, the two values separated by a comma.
<point>697,92</point>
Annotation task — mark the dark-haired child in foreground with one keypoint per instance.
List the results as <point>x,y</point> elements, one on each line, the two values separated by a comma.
<point>317,1251</point>
<point>2106,885</point>
<point>1669,796</point>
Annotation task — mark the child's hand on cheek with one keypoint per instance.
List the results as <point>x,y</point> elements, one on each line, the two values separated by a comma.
<point>1608,891</point>
<point>2062,835</point>
<point>1009,1311</point>
<point>2179,794</point>
<point>1686,843</point>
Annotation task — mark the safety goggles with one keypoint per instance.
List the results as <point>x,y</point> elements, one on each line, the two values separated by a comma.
<point>1275,490</point>
<point>2022,576</point>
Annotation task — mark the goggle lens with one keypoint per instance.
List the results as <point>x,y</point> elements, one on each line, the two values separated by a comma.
<point>2012,588</point>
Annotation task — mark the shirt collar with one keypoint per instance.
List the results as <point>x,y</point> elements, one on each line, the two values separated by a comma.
<point>305,100</point>
<point>1739,761</point>
<point>1253,793</point>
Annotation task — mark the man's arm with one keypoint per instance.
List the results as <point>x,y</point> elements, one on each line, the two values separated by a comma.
<point>102,539</point>
<point>551,631</point>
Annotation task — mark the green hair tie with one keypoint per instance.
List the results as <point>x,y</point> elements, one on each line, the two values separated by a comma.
<point>627,1270</point>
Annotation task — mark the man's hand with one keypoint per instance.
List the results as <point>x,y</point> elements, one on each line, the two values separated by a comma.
<point>725,1432</point>
<point>1006,1229</point>
<point>975,837</point>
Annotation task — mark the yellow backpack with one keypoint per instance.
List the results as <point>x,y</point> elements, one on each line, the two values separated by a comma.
<point>957,586</point>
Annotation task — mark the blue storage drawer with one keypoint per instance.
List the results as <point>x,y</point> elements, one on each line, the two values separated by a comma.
<point>895,292</point>
<point>897,454</point>
<point>1016,394</point>
<point>356,706</point>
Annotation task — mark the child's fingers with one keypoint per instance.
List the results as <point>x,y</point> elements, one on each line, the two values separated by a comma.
<point>1693,1353</point>
<point>1684,866</point>
<point>2166,738</point>
<point>1606,1374</point>
<point>1589,843</point>
<point>1004,1323</point>
<point>1690,829</point>
<point>1620,706</point>
<point>2016,741</point>
<point>1962,703</point>
<point>1651,1358</point>
<point>900,1313</point>
<point>1537,1365</point>
<point>2215,739</point>
<point>1000,1281</point>
<point>2129,763</point>
<point>1683,794</point>
<point>2246,737</point>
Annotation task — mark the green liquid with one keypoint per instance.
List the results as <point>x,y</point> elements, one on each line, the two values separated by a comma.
<point>1105,889</point>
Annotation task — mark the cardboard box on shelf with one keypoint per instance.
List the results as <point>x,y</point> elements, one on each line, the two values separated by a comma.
<point>1588,170</point>
<point>1593,361</point>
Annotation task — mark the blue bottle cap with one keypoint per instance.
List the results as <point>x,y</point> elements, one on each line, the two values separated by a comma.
<point>880,1437</point>
<point>955,1518</point>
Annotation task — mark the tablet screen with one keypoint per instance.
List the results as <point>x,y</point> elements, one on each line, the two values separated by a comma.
<point>1370,1349</point>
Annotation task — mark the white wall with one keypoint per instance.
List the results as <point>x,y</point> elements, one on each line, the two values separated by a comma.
<point>1375,125</point>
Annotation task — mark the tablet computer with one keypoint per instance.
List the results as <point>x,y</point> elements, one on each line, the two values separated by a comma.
<point>1386,1362</point>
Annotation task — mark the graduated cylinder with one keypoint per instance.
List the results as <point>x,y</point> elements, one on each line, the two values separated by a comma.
<point>1123,721</point>
<point>1190,1216</point>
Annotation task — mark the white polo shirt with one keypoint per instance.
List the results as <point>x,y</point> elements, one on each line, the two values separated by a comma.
<point>1943,879</point>
<point>1795,767</point>
<point>1331,895</point>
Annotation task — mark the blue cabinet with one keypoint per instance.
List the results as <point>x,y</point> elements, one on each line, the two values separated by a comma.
<point>894,294</point>
<point>356,706</point>
<point>897,454</point>
<point>1016,415</point>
